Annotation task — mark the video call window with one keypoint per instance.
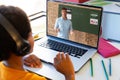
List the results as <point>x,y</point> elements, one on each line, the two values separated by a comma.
<point>85,22</point>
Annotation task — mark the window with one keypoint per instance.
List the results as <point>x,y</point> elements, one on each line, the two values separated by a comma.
<point>36,11</point>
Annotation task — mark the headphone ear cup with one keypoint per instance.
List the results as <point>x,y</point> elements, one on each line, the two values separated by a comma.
<point>24,48</point>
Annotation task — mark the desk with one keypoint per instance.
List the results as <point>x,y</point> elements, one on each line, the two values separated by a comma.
<point>84,73</point>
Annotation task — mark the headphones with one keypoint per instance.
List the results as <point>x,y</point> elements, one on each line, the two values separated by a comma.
<point>22,45</point>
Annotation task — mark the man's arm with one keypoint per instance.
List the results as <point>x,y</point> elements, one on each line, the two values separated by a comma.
<point>71,29</point>
<point>56,27</point>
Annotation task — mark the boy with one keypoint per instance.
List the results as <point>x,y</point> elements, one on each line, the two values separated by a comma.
<point>11,65</point>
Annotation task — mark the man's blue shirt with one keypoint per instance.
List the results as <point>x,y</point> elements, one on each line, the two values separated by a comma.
<point>65,27</point>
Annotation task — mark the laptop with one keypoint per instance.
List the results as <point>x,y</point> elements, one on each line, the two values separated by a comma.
<point>82,43</point>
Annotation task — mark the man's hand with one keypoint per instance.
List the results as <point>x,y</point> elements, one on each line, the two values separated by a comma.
<point>58,30</point>
<point>32,61</point>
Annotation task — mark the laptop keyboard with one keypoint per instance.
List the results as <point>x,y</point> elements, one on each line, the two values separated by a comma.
<point>61,47</point>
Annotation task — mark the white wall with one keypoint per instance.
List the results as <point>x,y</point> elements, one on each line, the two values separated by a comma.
<point>111,22</point>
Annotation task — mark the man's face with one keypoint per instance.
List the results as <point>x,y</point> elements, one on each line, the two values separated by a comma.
<point>64,13</point>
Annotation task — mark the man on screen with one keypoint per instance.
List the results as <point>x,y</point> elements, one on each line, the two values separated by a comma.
<point>63,26</point>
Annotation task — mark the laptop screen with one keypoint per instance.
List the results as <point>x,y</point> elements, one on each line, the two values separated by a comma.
<point>74,22</point>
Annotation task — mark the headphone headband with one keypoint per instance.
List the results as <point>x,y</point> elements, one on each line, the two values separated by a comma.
<point>23,46</point>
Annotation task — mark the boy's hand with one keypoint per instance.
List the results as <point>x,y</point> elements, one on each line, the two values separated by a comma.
<point>64,65</point>
<point>32,61</point>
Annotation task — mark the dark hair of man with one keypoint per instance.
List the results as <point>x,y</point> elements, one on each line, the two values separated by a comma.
<point>64,8</point>
<point>19,20</point>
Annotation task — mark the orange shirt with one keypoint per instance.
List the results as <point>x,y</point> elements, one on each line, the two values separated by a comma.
<point>7,73</point>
